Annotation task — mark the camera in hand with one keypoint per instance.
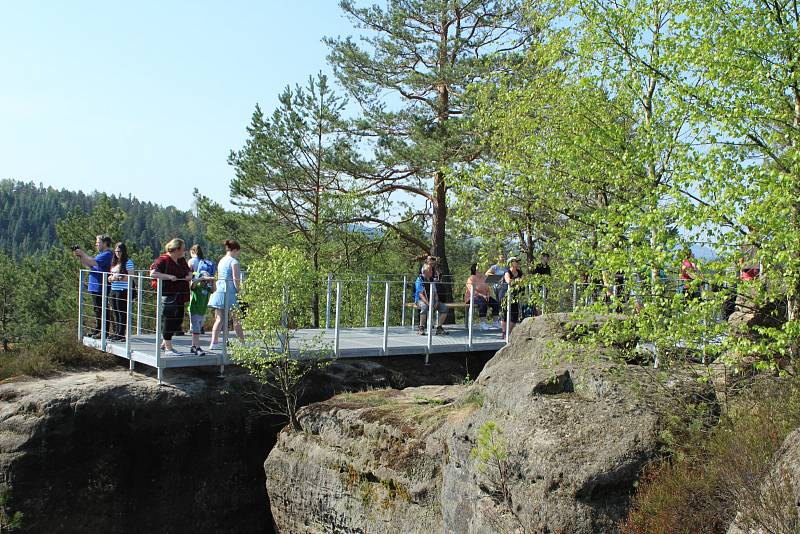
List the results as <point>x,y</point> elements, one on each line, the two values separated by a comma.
<point>75,247</point>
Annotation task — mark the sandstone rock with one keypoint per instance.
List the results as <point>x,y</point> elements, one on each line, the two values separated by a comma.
<point>573,427</point>
<point>112,452</point>
<point>747,313</point>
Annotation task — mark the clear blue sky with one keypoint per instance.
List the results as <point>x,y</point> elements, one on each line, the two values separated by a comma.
<point>147,98</point>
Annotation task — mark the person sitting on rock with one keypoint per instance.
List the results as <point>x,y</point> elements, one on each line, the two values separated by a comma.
<point>424,288</point>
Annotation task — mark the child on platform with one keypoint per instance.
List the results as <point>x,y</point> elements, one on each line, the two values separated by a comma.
<point>198,306</point>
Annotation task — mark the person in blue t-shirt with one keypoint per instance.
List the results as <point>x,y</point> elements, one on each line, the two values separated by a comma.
<point>99,266</point>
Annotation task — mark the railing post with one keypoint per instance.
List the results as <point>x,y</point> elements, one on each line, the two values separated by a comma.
<point>139,283</point>
<point>403,310</point>
<point>80,305</point>
<point>544,297</point>
<point>431,300</point>
<point>470,317</point>
<point>128,320</point>
<point>574,296</point>
<point>386,320</point>
<point>159,370</point>
<point>225,327</point>
<point>328,302</point>
<point>508,314</point>
<point>366,307</point>
<point>336,320</point>
<point>104,312</point>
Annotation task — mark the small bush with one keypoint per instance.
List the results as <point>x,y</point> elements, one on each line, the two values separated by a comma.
<point>709,477</point>
<point>59,350</point>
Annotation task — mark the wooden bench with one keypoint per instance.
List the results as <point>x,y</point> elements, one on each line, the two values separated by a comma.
<point>450,306</point>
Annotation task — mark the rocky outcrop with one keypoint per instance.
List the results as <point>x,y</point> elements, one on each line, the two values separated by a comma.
<point>108,451</point>
<point>774,506</point>
<point>549,438</point>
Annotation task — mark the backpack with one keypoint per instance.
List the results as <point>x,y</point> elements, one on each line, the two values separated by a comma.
<point>207,266</point>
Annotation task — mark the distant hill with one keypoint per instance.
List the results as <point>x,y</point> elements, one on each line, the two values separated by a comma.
<point>29,213</point>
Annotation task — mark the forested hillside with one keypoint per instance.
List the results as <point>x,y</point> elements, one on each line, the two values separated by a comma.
<point>29,214</point>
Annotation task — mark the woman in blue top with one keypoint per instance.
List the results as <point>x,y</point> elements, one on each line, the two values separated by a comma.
<point>121,269</point>
<point>228,282</point>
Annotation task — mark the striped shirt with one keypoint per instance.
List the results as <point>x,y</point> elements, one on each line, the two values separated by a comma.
<point>121,285</point>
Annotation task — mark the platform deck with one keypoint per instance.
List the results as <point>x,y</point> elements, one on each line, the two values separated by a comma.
<point>353,343</point>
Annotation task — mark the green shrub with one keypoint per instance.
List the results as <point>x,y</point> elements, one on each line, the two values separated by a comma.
<point>710,476</point>
<point>58,350</point>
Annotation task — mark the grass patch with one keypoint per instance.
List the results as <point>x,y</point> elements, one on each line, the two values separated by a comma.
<point>474,399</point>
<point>430,401</point>
<point>58,351</point>
<point>711,475</point>
<point>371,398</point>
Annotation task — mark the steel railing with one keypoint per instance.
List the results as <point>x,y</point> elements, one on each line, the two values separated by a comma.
<point>143,316</point>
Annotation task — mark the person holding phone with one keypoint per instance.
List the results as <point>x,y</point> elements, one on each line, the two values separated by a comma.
<point>98,266</point>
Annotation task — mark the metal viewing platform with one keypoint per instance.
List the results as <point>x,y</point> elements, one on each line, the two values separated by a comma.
<point>363,318</point>
<point>353,343</point>
<point>360,337</point>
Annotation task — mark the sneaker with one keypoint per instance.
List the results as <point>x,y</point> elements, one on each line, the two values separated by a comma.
<point>211,347</point>
<point>96,336</point>
<point>173,352</point>
<point>484,325</point>
<point>421,331</point>
<point>441,331</point>
<point>199,351</point>
<point>193,350</point>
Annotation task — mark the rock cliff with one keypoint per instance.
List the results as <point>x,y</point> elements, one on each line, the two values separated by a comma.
<point>108,451</point>
<point>549,438</point>
<point>112,452</point>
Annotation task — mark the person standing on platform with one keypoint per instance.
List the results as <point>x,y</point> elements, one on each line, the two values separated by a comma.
<point>511,309</point>
<point>99,265</point>
<point>172,269</point>
<point>543,267</point>
<point>198,306</point>
<point>499,269</point>
<point>423,289</point>
<point>229,279</point>
<point>121,268</point>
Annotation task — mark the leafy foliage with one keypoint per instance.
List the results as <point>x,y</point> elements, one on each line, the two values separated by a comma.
<point>291,169</point>
<point>276,294</point>
<point>408,73</point>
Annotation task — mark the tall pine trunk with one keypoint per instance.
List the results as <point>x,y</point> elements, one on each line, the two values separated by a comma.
<point>438,227</point>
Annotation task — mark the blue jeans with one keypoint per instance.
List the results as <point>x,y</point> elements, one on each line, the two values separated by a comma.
<point>484,305</point>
